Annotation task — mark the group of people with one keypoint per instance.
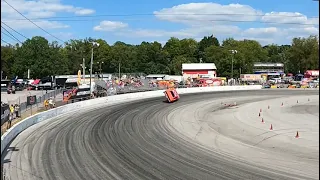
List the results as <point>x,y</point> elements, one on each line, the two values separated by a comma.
<point>49,103</point>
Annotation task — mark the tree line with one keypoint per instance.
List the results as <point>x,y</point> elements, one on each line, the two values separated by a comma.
<point>45,58</point>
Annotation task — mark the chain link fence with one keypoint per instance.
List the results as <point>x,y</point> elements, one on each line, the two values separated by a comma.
<point>22,101</point>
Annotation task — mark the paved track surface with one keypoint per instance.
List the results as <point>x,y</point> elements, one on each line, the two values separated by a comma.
<point>198,137</point>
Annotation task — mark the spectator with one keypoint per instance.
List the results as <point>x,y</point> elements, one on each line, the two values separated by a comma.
<point>16,110</point>
<point>9,122</point>
<point>46,104</point>
<point>51,103</point>
<point>12,111</point>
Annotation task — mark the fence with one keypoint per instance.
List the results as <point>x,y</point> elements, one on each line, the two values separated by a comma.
<point>22,101</point>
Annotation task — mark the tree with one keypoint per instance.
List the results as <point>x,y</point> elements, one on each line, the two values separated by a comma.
<point>303,54</point>
<point>7,60</point>
<point>204,43</point>
<point>45,58</point>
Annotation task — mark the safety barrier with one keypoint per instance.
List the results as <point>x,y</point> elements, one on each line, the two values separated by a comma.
<point>7,137</point>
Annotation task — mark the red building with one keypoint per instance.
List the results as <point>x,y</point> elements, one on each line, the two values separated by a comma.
<point>201,70</point>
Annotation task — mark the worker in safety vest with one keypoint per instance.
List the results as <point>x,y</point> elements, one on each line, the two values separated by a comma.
<point>46,104</point>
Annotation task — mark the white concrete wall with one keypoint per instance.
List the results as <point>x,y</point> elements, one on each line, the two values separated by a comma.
<point>21,126</point>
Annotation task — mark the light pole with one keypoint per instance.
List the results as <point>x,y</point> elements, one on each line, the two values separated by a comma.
<point>83,65</point>
<point>93,44</point>
<point>233,52</point>
<point>100,63</point>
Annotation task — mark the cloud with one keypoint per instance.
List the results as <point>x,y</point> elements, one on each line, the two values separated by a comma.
<point>257,32</point>
<point>289,18</point>
<point>206,13</point>
<point>84,11</point>
<point>37,9</point>
<point>61,35</point>
<point>204,19</point>
<point>190,32</point>
<point>110,26</point>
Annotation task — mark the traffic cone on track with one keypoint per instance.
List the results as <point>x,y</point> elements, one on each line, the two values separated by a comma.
<point>271,128</point>
<point>297,135</point>
<point>262,120</point>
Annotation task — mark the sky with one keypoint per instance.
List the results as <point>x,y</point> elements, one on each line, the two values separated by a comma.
<point>267,21</point>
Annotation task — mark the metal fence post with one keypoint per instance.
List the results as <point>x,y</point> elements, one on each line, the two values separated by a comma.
<point>19,112</point>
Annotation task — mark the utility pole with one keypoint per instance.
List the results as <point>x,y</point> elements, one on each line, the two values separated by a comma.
<point>233,52</point>
<point>91,69</point>
<point>84,69</point>
<point>91,63</point>
<point>119,71</point>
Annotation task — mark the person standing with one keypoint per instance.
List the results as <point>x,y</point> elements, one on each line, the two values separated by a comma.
<point>46,104</point>
<point>12,111</point>
<point>10,116</point>
<point>16,110</point>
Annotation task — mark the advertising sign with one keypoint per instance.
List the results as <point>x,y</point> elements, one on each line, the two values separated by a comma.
<point>251,77</point>
<point>31,100</point>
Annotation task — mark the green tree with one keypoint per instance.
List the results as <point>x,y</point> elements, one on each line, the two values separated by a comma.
<point>7,60</point>
<point>303,54</point>
<point>45,58</point>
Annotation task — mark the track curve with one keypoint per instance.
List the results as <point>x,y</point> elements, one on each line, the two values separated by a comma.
<point>194,138</point>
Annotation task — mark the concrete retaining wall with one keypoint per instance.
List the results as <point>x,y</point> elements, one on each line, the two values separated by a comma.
<point>7,137</point>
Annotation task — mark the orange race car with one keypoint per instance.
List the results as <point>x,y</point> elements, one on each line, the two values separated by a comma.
<point>171,95</point>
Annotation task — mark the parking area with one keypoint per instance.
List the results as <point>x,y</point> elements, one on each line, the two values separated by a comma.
<point>21,96</point>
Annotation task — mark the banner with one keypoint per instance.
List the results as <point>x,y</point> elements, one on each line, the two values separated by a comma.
<point>251,77</point>
<point>31,100</point>
<point>5,112</point>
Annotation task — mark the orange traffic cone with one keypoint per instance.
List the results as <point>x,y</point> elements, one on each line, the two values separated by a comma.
<point>262,120</point>
<point>271,128</point>
<point>297,135</point>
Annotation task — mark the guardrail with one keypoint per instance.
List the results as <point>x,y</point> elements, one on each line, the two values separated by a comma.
<point>7,137</point>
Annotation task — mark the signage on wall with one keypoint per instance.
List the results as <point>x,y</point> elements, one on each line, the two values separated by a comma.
<point>31,100</point>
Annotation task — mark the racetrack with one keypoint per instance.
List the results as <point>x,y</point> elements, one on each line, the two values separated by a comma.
<point>197,137</point>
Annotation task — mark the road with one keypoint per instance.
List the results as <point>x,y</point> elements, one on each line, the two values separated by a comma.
<point>198,137</point>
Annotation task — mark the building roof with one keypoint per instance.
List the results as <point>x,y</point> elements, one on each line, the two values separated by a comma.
<point>199,66</point>
<point>156,75</point>
<point>76,76</point>
<point>259,64</point>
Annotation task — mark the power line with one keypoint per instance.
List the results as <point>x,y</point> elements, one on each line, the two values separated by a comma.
<point>5,41</point>
<point>213,20</point>
<point>32,22</point>
<point>11,35</point>
<point>167,14</point>
<point>14,30</point>
<point>8,36</point>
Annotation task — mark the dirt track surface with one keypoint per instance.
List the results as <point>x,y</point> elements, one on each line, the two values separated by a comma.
<point>198,137</point>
